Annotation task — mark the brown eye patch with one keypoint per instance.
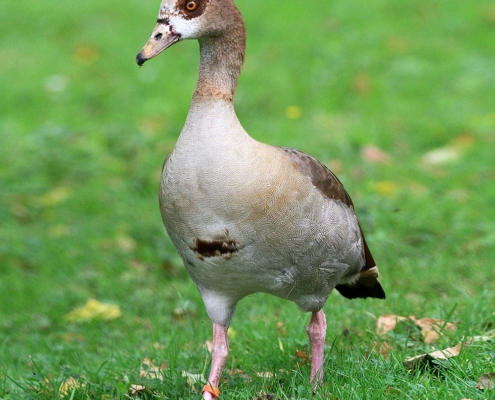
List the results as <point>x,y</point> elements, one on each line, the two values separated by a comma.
<point>192,8</point>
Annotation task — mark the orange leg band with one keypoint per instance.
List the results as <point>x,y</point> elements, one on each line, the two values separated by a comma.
<point>211,389</point>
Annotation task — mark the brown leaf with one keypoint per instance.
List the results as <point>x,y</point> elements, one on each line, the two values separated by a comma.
<point>240,373</point>
<point>149,370</point>
<point>136,390</point>
<point>302,356</point>
<point>387,323</point>
<point>192,379</point>
<point>86,53</point>
<point>281,328</point>
<point>383,348</point>
<point>432,329</point>
<point>375,155</point>
<point>445,354</point>
<point>486,381</point>
<point>421,360</point>
<point>67,386</point>
<point>415,362</point>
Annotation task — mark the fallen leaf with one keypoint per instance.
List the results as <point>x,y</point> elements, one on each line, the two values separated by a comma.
<point>94,310</point>
<point>125,243</point>
<point>281,328</point>
<point>192,379</point>
<point>68,386</point>
<point>486,381</point>
<point>302,355</point>
<point>293,112</point>
<point>387,323</point>
<point>375,155</point>
<point>266,374</point>
<point>442,155</point>
<point>181,314</point>
<point>432,329</point>
<point>86,54</point>
<point>72,337</point>
<point>383,348</point>
<point>422,360</point>
<point>265,396</point>
<point>385,188</point>
<point>449,153</point>
<point>236,372</point>
<point>445,354</point>
<point>137,390</point>
<point>149,370</point>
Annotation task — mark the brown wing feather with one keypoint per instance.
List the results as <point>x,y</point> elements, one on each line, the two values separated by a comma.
<point>330,186</point>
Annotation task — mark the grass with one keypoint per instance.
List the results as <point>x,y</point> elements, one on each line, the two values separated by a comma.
<point>83,136</point>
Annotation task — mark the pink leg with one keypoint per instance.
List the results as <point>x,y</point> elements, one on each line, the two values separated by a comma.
<point>317,329</point>
<point>219,352</point>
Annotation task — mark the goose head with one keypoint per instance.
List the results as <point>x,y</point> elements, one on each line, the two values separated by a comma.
<point>188,19</point>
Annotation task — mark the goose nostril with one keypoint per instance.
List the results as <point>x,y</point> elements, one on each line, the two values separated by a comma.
<point>158,36</point>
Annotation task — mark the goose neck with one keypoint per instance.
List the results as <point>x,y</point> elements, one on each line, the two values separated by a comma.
<point>221,62</point>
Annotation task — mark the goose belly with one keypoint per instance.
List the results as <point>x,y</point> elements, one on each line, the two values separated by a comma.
<point>240,233</point>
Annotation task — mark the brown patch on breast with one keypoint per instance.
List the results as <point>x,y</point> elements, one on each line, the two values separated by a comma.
<point>214,248</point>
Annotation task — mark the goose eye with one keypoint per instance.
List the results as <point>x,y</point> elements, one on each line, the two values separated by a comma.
<point>191,5</point>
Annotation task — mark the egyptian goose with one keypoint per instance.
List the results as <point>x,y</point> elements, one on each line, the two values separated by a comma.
<point>245,216</point>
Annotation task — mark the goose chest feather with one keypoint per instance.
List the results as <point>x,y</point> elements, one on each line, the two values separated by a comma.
<point>245,216</point>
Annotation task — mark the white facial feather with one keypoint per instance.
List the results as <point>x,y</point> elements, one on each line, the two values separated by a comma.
<point>186,28</point>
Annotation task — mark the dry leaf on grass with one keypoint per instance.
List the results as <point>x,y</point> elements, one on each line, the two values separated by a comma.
<point>449,153</point>
<point>302,355</point>
<point>135,391</point>
<point>149,370</point>
<point>383,348</point>
<point>387,323</point>
<point>375,155</point>
<point>432,329</point>
<point>192,379</point>
<point>442,355</point>
<point>281,328</point>
<point>68,386</point>
<point>94,310</point>
<point>486,381</point>
<point>266,374</point>
<point>236,372</point>
<point>439,355</point>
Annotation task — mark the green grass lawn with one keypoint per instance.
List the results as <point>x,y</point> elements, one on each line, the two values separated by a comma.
<point>83,134</point>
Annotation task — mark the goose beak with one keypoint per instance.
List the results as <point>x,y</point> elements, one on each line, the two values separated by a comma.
<point>162,38</point>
